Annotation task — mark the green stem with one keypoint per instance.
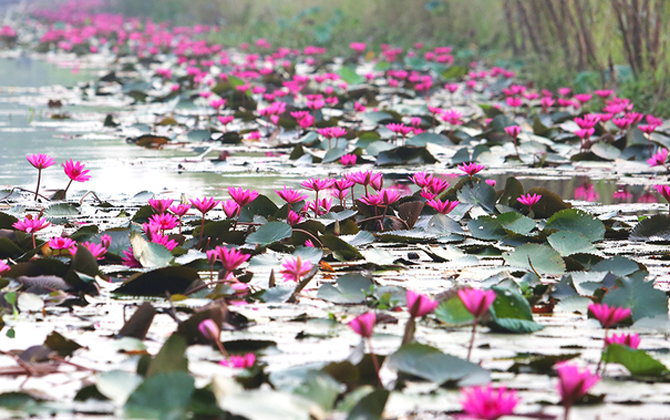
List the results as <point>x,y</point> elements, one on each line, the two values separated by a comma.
<point>39,178</point>
<point>472,339</point>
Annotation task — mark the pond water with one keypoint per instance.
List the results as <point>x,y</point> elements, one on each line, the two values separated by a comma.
<point>118,168</point>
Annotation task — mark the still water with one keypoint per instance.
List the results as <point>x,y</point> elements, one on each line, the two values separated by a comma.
<point>121,170</point>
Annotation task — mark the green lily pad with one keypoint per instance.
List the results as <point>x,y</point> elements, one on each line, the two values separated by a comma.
<point>430,364</point>
<point>481,194</point>
<point>640,296</point>
<point>544,259</point>
<point>165,396</point>
<point>452,312</point>
<point>638,362</point>
<point>578,221</point>
<point>568,243</point>
<point>516,223</point>
<point>350,288</point>
<point>652,229</point>
<point>487,228</point>
<point>270,233</point>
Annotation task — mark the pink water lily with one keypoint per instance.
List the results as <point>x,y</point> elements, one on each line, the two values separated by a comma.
<point>40,161</point>
<point>160,206</point>
<point>630,340</point>
<point>4,268</point>
<point>239,362</point>
<point>295,268</point>
<point>471,168</point>
<point>242,197</point>
<point>608,315</point>
<point>231,258</point>
<point>529,199</point>
<point>419,305</point>
<point>477,302</point>
<point>76,172</point>
<point>443,207</point>
<point>363,324</point>
<point>573,384</point>
<point>488,403</point>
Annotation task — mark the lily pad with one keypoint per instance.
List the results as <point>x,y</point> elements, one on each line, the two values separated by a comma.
<point>544,259</point>
<point>430,364</point>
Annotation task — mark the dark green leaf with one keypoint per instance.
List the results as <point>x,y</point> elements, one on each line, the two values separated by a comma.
<point>163,397</point>
<point>270,233</point>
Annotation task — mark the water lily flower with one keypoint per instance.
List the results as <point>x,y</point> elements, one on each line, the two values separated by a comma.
<point>180,210</point>
<point>604,93</point>
<point>230,207</point>
<point>573,384</point>
<point>60,243</point>
<point>205,204</point>
<point>419,305</point>
<point>546,103</point>
<point>231,258</point>
<point>295,268</point>
<point>609,315</point>
<point>164,221</point>
<point>32,226</point>
<point>242,197</point>
<point>477,302</point>
<point>471,168</point>
<point>631,340</point>
<point>4,268</point>
<point>211,331</point>
<point>529,199</point>
<point>291,196</point>
<point>363,324</point>
<point>438,185</point>
<point>513,131</point>
<point>239,362</point>
<point>97,250</point>
<point>76,172</point>
<point>452,116</point>
<point>40,161</point>
<point>564,91</point>
<point>491,182</point>
<point>488,403</point>
<point>659,158</point>
<point>583,98</point>
<point>348,160</point>
<point>442,207</point>
<point>359,47</point>
<point>160,206</point>
<point>128,259</point>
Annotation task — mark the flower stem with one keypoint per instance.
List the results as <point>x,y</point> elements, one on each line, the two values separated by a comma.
<point>34,245</point>
<point>39,178</point>
<point>566,413</point>
<point>472,339</point>
<point>202,229</point>
<point>375,361</point>
<point>66,188</point>
<point>602,352</point>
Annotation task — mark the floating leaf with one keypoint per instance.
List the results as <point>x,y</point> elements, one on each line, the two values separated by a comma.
<point>405,155</point>
<point>165,396</point>
<point>149,254</point>
<point>270,233</point>
<point>173,280</point>
<point>578,221</point>
<point>487,228</point>
<point>481,194</point>
<point>652,229</point>
<point>544,259</point>
<point>171,357</point>
<point>640,296</point>
<point>568,243</point>
<point>549,204</point>
<point>516,223</point>
<point>370,407</point>
<point>350,288</point>
<point>511,312</point>
<point>638,362</point>
<point>453,312</point>
<point>430,364</point>
<point>341,250</point>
